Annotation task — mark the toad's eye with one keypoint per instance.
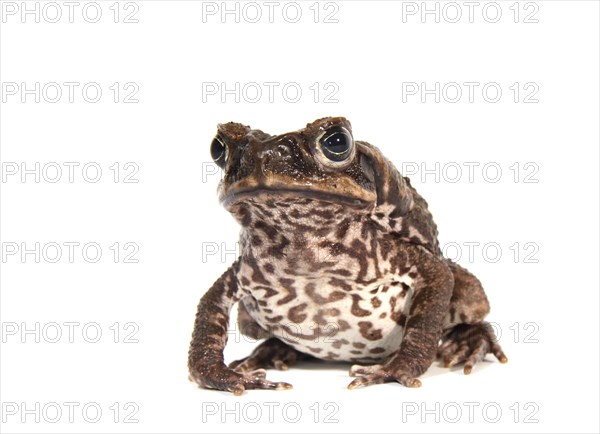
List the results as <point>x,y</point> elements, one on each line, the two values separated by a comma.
<point>218,151</point>
<point>336,144</point>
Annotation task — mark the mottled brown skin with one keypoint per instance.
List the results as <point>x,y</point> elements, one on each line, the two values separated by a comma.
<point>339,261</point>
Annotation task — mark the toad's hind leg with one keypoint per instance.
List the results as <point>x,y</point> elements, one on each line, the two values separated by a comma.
<point>272,353</point>
<point>467,338</point>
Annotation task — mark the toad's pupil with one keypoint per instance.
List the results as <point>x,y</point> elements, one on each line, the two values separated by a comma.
<point>217,151</point>
<point>337,143</point>
<point>336,147</point>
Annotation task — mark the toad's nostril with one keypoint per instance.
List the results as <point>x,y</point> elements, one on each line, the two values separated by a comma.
<point>286,145</point>
<point>283,149</point>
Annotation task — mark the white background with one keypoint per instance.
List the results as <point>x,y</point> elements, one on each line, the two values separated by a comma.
<point>544,301</point>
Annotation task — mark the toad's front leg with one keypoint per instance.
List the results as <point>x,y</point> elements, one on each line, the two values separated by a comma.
<point>423,329</point>
<point>205,358</point>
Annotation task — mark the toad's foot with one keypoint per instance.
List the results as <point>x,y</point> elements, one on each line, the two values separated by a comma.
<point>272,353</point>
<point>469,343</point>
<point>222,378</point>
<point>377,374</point>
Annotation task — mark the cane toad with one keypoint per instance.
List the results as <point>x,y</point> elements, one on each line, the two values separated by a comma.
<point>339,261</point>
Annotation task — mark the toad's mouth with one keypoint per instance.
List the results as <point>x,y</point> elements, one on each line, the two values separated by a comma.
<point>288,194</point>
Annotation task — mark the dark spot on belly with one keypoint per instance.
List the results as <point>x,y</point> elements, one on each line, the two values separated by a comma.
<point>269,268</point>
<point>320,319</point>
<point>383,315</point>
<point>287,285</point>
<point>340,272</point>
<point>356,310</point>
<point>337,344</point>
<point>295,314</point>
<point>334,281</point>
<point>315,350</point>
<point>244,280</point>
<point>359,345</point>
<point>274,319</point>
<point>396,315</point>
<point>331,356</point>
<point>311,291</point>
<point>342,325</point>
<point>375,302</point>
<point>269,292</point>
<point>383,288</point>
<point>368,332</point>
<point>377,350</point>
<point>355,352</point>
<point>257,275</point>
